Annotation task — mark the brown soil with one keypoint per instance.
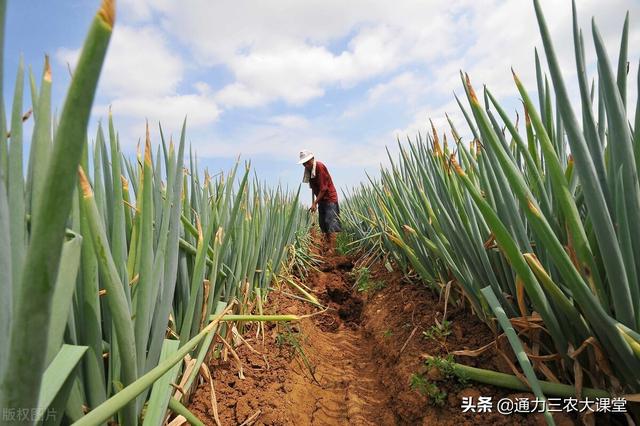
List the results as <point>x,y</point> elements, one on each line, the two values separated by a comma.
<point>352,364</point>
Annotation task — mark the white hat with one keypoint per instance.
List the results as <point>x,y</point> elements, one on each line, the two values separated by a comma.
<point>305,155</point>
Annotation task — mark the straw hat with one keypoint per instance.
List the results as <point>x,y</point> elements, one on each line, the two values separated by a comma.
<point>305,155</point>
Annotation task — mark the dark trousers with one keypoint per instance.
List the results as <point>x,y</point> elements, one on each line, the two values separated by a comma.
<point>329,217</point>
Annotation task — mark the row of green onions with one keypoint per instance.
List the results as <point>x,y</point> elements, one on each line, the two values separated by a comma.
<point>110,269</point>
<point>544,216</point>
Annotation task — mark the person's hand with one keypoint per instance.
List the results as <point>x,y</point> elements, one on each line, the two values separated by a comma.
<point>313,207</point>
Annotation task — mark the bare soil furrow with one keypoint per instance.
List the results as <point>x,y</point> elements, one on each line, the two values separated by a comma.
<point>353,363</point>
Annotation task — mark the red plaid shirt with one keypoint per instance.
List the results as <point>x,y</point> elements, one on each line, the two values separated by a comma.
<point>323,181</point>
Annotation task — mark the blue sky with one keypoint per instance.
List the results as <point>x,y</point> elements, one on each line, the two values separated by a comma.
<point>266,79</point>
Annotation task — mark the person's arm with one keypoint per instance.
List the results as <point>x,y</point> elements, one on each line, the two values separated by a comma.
<point>314,204</point>
<point>322,177</point>
<point>321,195</point>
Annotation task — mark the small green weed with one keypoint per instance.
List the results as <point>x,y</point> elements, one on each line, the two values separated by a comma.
<point>447,368</point>
<point>387,333</point>
<point>437,332</point>
<point>363,280</point>
<point>343,239</point>
<point>290,337</point>
<point>429,389</point>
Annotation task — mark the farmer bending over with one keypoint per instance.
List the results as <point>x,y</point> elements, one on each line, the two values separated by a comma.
<point>324,197</point>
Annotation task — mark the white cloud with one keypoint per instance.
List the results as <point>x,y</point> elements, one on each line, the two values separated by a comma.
<point>283,137</point>
<point>198,109</point>
<point>138,62</point>
<point>202,87</point>
<point>67,56</point>
<point>140,81</point>
<point>282,50</point>
<point>420,124</point>
<point>293,51</point>
<point>135,10</point>
<point>400,86</point>
<point>404,90</point>
<point>238,25</point>
<point>286,53</point>
<point>298,72</point>
<point>239,95</point>
<point>277,52</point>
<point>290,121</point>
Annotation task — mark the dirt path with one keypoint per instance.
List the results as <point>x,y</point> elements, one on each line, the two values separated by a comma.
<point>353,364</point>
<point>347,388</point>
<point>320,371</point>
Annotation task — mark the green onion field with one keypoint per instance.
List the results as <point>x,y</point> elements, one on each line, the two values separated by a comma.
<point>143,290</point>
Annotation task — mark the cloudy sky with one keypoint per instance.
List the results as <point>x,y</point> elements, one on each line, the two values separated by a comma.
<point>265,79</point>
